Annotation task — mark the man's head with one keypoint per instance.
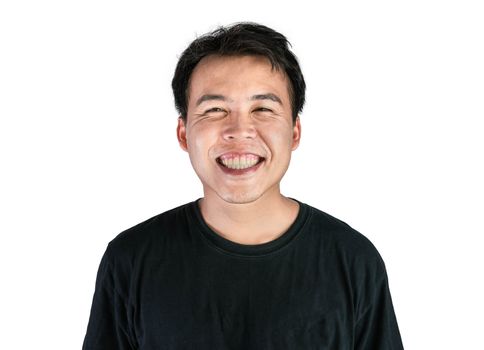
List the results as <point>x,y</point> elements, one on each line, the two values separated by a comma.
<point>240,39</point>
<point>238,112</point>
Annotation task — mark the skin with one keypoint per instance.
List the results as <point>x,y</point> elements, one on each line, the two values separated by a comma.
<point>248,208</point>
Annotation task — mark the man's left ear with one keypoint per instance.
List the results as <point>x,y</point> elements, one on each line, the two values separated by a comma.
<point>296,133</point>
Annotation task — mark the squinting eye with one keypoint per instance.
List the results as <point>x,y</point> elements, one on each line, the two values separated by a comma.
<point>215,109</point>
<point>262,109</point>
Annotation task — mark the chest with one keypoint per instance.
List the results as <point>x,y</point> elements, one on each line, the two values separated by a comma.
<point>219,303</point>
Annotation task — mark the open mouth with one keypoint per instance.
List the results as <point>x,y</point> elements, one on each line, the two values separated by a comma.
<point>240,164</point>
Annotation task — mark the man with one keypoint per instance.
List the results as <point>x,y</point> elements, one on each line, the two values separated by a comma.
<point>244,267</point>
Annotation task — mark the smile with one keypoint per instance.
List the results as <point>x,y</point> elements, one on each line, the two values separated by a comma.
<point>238,164</point>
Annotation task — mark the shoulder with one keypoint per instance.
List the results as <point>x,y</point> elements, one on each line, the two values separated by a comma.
<point>344,240</point>
<point>349,253</point>
<point>140,237</point>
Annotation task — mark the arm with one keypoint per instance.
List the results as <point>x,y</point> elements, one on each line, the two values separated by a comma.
<point>377,328</point>
<point>108,327</point>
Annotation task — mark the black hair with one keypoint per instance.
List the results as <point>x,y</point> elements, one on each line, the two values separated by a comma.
<point>243,38</point>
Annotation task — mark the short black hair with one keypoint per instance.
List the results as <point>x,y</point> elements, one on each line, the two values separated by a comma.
<point>242,38</point>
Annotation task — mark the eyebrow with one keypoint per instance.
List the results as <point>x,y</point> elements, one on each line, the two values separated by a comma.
<point>211,97</point>
<point>268,96</point>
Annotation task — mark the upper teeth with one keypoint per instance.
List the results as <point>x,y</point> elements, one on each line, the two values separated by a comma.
<point>240,162</point>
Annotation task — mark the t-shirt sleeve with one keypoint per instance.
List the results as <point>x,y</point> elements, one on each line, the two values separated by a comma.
<point>108,327</point>
<point>376,328</point>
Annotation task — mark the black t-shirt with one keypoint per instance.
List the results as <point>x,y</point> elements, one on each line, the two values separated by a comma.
<point>171,282</point>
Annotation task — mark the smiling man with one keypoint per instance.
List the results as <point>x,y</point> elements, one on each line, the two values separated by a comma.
<point>244,267</point>
<point>239,132</point>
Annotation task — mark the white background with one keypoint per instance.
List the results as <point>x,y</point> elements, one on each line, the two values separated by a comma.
<point>392,144</point>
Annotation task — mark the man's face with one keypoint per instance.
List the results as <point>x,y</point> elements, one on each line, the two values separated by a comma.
<point>239,132</point>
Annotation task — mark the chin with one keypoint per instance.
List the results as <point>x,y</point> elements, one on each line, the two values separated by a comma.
<point>239,198</point>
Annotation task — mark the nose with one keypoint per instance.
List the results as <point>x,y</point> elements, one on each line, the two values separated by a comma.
<point>238,127</point>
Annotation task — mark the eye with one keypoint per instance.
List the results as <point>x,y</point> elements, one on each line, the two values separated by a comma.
<point>214,110</point>
<point>263,109</point>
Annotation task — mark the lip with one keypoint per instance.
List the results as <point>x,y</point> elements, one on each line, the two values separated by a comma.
<point>238,154</point>
<point>240,172</point>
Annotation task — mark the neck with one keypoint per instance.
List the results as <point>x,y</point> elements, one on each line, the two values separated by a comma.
<point>257,222</point>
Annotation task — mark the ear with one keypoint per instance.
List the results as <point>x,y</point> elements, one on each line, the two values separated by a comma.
<point>181,134</point>
<point>296,133</point>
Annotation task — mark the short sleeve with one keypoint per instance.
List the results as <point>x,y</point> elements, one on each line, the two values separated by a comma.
<point>377,328</point>
<point>108,327</point>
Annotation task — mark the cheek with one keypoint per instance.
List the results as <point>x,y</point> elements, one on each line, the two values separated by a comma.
<point>200,142</point>
<point>281,139</point>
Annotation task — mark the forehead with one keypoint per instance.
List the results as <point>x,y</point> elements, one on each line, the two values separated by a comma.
<point>237,75</point>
